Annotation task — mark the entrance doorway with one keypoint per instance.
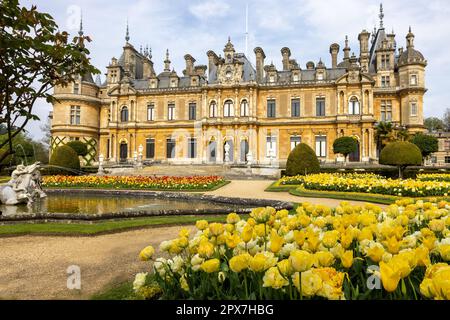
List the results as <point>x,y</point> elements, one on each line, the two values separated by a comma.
<point>123,152</point>
<point>212,151</point>
<point>244,150</point>
<point>355,156</point>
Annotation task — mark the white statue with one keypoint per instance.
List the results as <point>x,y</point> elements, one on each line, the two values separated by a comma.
<point>24,186</point>
<point>227,152</point>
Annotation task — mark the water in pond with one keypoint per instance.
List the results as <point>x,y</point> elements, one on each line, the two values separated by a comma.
<point>99,204</point>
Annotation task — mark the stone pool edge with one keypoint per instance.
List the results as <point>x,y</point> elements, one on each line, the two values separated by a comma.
<point>277,204</point>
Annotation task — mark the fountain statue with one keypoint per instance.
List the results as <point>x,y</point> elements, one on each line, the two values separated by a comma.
<point>24,186</point>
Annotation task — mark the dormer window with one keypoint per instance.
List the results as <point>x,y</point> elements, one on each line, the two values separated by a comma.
<point>320,76</point>
<point>228,74</point>
<point>173,83</point>
<point>413,80</point>
<point>271,78</point>
<point>295,78</point>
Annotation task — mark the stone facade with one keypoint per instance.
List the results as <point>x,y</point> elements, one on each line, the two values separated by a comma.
<point>230,111</point>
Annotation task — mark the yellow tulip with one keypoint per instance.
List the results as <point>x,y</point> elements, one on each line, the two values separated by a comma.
<point>444,251</point>
<point>389,277</point>
<point>257,263</point>
<point>232,240</point>
<point>441,283</point>
<point>347,259</point>
<point>205,248</point>
<point>429,242</point>
<point>365,234</point>
<point>311,283</point>
<point>247,233</point>
<point>184,233</point>
<point>422,256</point>
<point>392,245</point>
<point>260,229</point>
<point>211,265</point>
<point>301,260</point>
<point>427,288</point>
<point>272,278</point>
<point>233,218</point>
<point>201,224</point>
<point>276,242</point>
<point>299,237</point>
<point>240,262</point>
<point>216,229</point>
<point>229,228</point>
<point>330,238</point>
<point>146,253</point>
<point>375,253</point>
<point>346,239</point>
<point>324,258</point>
<point>437,225</point>
<point>400,266</point>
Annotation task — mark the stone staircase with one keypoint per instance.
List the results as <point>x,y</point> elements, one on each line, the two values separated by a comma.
<point>229,172</point>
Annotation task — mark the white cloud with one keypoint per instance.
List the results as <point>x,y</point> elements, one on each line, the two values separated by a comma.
<point>210,8</point>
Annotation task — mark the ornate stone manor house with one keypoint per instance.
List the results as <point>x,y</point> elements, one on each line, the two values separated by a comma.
<point>233,112</point>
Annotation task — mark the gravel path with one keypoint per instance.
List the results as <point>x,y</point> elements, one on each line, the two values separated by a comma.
<point>255,189</point>
<point>34,267</point>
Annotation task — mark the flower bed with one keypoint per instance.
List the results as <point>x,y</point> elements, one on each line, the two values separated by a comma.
<point>350,252</point>
<point>434,177</point>
<point>369,183</point>
<point>134,182</point>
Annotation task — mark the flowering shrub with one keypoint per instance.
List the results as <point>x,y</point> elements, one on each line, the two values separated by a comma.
<point>369,183</point>
<point>133,182</point>
<point>350,252</point>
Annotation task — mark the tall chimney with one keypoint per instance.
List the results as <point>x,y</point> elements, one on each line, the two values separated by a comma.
<point>189,64</point>
<point>364,56</point>
<point>212,61</point>
<point>334,50</point>
<point>260,56</point>
<point>286,53</point>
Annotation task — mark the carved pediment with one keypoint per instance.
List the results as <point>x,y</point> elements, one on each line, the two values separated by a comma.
<point>230,73</point>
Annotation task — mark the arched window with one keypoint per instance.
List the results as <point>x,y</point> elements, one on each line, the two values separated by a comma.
<point>124,114</point>
<point>228,109</point>
<point>213,109</point>
<point>244,108</point>
<point>353,106</point>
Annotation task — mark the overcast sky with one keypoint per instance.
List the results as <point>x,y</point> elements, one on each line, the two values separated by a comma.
<point>307,27</point>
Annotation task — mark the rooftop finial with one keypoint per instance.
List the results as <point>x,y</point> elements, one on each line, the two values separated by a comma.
<point>127,35</point>
<point>410,29</point>
<point>150,53</point>
<point>229,39</point>
<point>80,33</point>
<point>167,61</point>
<point>381,16</point>
<point>346,41</point>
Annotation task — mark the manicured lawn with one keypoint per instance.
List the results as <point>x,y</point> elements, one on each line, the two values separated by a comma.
<point>99,227</point>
